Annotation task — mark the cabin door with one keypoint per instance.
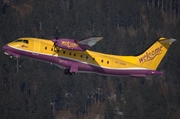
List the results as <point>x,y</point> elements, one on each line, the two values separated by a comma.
<point>37,46</point>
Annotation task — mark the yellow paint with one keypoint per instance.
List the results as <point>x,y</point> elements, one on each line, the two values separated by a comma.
<point>37,46</point>
<point>149,59</point>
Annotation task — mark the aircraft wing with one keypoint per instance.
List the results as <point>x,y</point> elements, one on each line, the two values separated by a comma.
<point>79,45</point>
<point>89,41</point>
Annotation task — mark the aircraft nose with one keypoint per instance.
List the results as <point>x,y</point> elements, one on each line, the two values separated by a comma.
<point>5,47</point>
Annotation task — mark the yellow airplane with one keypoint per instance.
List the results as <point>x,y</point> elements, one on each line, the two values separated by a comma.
<point>73,56</point>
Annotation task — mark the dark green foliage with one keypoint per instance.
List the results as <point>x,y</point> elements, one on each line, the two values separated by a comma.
<point>40,90</point>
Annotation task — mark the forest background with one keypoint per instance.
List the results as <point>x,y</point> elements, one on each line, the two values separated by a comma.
<point>42,91</point>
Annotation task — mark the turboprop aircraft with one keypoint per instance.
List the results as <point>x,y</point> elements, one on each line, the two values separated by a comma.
<point>73,56</point>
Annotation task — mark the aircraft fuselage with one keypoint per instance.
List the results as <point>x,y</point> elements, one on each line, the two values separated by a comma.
<point>73,61</point>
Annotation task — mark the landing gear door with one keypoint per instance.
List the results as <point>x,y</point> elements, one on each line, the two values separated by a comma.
<point>74,68</point>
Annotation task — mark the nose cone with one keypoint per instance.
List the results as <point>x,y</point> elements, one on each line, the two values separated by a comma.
<point>5,47</point>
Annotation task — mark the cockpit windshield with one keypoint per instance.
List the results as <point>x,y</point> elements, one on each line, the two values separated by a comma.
<point>24,41</point>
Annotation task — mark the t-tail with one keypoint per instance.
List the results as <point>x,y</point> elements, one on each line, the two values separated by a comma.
<point>153,56</point>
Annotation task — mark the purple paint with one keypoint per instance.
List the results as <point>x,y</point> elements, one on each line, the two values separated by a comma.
<point>69,44</point>
<point>77,66</point>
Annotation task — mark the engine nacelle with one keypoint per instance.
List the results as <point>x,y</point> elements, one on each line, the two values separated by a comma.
<point>69,44</point>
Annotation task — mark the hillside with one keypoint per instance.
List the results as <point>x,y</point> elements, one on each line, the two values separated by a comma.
<point>41,91</point>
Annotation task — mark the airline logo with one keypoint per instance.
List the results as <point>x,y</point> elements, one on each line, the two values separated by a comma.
<point>150,55</point>
<point>23,46</point>
<point>69,44</point>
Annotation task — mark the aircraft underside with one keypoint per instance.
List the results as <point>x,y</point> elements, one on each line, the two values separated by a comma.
<point>74,57</point>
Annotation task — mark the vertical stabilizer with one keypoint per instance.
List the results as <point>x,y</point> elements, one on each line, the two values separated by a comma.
<point>153,56</point>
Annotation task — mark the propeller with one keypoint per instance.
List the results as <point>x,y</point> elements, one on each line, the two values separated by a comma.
<point>55,46</point>
<point>57,33</point>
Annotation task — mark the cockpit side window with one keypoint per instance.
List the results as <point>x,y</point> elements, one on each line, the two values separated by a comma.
<point>25,41</point>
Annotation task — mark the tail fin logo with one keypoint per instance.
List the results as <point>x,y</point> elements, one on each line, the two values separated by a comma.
<point>150,55</point>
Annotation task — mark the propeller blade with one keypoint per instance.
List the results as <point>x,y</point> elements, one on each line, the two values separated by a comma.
<point>57,33</point>
<point>55,47</point>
